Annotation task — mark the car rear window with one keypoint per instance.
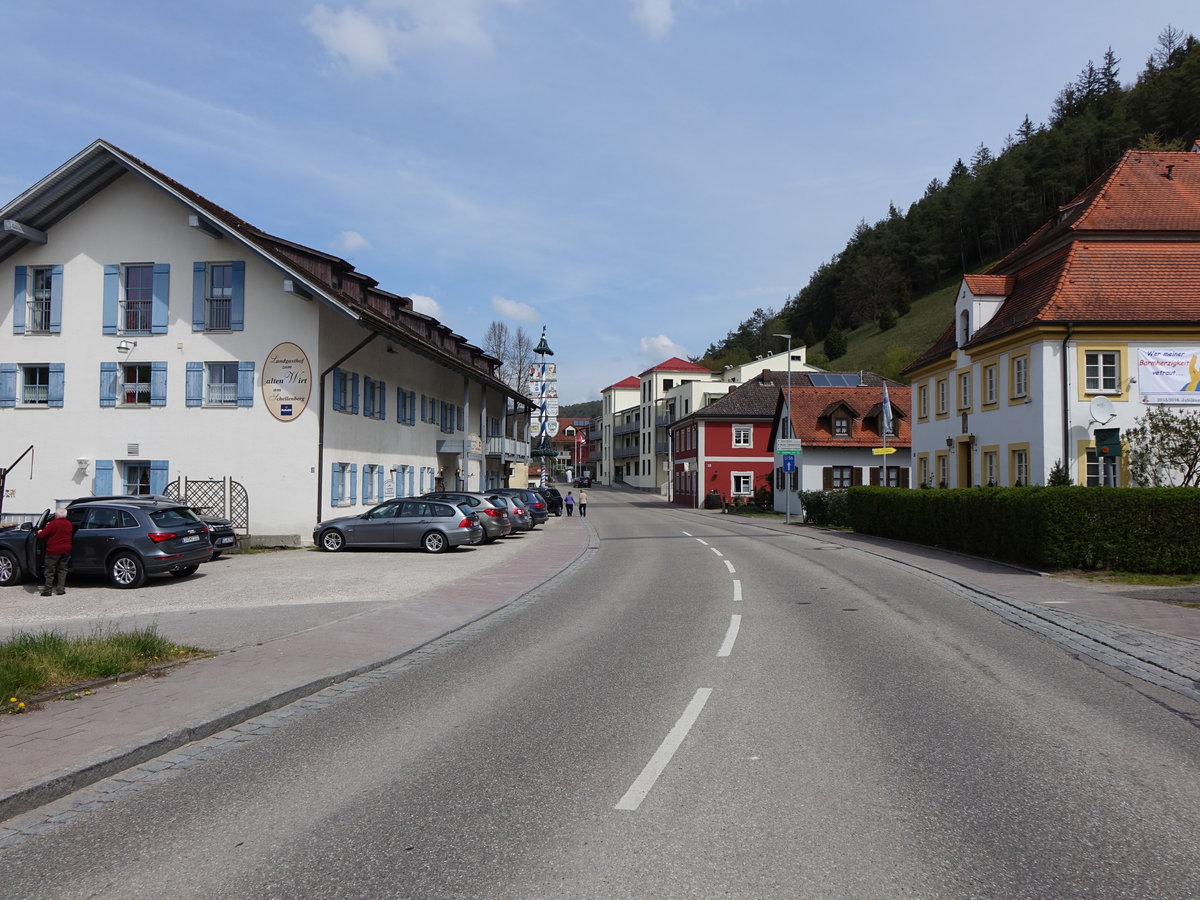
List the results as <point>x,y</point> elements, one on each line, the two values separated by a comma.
<point>176,517</point>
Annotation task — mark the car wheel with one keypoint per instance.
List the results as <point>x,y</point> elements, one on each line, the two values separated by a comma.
<point>216,555</point>
<point>126,571</point>
<point>332,540</point>
<point>489,538</point>
<point>184,571</point>
<point>10,569</point>
<point>434,542</point>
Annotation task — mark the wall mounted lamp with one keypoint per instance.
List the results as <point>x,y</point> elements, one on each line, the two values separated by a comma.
<point>125,346</point>
<point>82,463</point>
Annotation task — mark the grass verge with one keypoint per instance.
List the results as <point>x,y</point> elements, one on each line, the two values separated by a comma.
<point>33,664</point>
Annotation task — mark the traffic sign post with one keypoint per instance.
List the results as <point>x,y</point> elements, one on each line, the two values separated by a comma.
<point>789,463</point>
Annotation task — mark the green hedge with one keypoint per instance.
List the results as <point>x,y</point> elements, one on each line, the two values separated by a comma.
<point>1131,530</point>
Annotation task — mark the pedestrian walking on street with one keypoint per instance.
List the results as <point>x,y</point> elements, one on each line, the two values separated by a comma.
<point>582,504</point>
<point>569,503</point>
<point>57,534</point>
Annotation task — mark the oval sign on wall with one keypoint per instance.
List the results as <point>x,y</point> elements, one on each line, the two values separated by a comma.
<point>286,382</point>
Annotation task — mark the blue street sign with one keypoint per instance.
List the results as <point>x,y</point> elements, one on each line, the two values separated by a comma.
<point>789,462</point>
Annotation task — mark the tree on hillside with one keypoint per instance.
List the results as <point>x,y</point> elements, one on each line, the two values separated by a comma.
<point>1163,448</point>
<point>836,343</point>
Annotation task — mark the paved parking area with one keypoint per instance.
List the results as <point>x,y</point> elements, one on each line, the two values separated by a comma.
<point>245,599</point>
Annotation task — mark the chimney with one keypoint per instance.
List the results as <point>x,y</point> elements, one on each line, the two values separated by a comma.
<point>1169,170</point>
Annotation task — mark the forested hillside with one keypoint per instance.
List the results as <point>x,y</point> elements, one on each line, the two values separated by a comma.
<point>867,294</point>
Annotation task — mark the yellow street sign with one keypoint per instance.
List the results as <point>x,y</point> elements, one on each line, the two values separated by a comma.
<point>883,451</point>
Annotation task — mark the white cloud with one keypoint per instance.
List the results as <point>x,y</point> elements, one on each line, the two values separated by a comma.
<point>427,305</point>
<point>656,16</point>
<point>350,242</point>
<point>370,35</point>
<point>514,309</point>
<point>658,349</point>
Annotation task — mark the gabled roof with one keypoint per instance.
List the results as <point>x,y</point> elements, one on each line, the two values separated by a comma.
<point>675,364</point>
<point>1126,250</point>
<point>629,384</point>
<point>327,278</point>
<point>810,408</point>
<point>756,399</point>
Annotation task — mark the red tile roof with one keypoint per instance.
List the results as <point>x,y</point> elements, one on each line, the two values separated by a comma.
<point>631,382</point>
<point>811,407</point>
<point>675,364</point>
<point>1125,250</point>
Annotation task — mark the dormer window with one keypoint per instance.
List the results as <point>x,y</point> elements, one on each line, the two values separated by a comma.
<point>841,425</point>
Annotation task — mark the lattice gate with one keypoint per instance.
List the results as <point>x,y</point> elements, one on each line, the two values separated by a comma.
<point>224,497</point>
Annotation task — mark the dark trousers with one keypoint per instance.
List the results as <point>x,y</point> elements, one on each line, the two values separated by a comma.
<point>583,509</point>
<point>570,508</point>
<point>56,566</point>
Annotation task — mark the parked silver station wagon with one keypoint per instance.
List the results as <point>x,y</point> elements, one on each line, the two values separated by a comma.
<point>403,522</point>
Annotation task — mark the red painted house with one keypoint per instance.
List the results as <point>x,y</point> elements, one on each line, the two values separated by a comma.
<point>725,447</point>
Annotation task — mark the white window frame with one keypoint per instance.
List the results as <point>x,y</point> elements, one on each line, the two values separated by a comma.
<point>743,435</point>
<point>923,401</point>
<point>140,487</point>
<point>139,387</point>
<point>220,393</point>
<point>1102,371</point>
<point>218,301</point>
<point>989,384</point>
<point>746,482</point>
<point>841,426</point>
<point>1020,376</point>
<point>964,390</point>
<point>37,311</point>
<point>142,308</point>
<point>1021,467</point>
<point>943,396</point>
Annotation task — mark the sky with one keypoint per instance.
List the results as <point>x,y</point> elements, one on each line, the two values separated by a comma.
<point>635,176</point>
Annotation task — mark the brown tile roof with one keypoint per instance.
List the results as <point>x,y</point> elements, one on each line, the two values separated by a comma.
<point>755,399</point>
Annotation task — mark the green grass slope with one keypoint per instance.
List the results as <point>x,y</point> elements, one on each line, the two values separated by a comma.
<point>887,352</point>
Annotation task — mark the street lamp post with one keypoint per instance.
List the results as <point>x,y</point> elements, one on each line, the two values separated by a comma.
<point>787,414</point>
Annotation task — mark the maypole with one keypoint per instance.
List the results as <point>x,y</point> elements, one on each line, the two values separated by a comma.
<point>543,378</point>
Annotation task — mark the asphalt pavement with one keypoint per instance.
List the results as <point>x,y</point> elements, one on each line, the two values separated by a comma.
<point>328,628</point>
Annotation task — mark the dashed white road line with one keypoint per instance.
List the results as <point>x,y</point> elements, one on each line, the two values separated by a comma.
<point>735,623</point>
<point>737,590</point>
<point>702,541</point>
<point>687,534</point>
<point>662,756</point>
<point>729,566</point>
<point>716,551</point>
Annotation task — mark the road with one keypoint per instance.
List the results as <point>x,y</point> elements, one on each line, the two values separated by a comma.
<point>701,709</point>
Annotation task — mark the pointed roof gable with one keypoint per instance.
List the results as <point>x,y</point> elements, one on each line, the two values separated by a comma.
<point>629,384</point>
<point>675,364</point>
<point>754,399</point>
<point>314,273</point>
<point>811,407</point>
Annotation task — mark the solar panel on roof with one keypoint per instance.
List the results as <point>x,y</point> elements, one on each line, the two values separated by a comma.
<point>834,379</point>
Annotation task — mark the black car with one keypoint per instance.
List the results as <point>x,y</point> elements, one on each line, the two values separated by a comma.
<point>125,539</point>
<point>554,501</point>
<point>220,531</point>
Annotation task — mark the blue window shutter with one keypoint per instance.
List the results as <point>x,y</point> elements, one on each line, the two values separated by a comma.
<point>56,289</point>
<point>366,484</point>
<point>354,393</point>
<point>381,413</point>
<point>379,482</point>
<point>159,472</point>
<point>237,304</point>
<point>20,280</point>
<point>368,396</point>
<point>8,384</point>
<point>194,384</point>
<point>399,407</point>
<point>162,294</point>
<point>335,485</point>
<point>112,291</point>
<point>353,483</point>
<point>108,388</point>
<point>104,477</point>
<point>158,384</point>
<point>412,408</point>
<point>424,410</point>
<point>199,283</point>
<point>339,386</point>
<point>246,382</point>
<point>58,377</point>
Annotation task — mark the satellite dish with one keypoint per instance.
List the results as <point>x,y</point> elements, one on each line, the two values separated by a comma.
<point>1101,409</point>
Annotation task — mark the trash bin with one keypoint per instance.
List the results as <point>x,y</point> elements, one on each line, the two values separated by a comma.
<point>713,500</point>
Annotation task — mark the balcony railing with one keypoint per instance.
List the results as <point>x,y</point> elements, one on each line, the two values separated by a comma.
<point>627,428</point>
<point>509,448</point>
<point>624,452</point>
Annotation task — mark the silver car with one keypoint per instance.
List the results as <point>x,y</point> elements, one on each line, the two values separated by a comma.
<point>495,519</point>
<point>431,525</point>
<point>522,520</point>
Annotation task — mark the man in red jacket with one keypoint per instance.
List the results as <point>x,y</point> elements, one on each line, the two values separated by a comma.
<point>57,534</point>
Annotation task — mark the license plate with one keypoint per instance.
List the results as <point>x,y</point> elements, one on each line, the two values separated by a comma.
<point>224,542</point>
<point>190,538</point>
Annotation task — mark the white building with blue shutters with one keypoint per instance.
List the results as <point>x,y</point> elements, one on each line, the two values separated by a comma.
<point>153,342</point>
